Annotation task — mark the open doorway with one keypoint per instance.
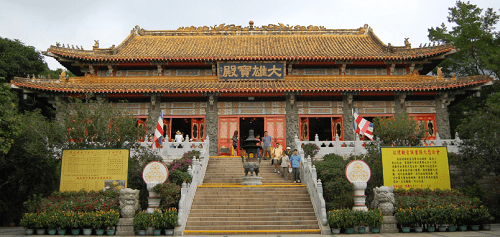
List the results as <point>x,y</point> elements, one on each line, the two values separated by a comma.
<point>322,127</point>
<point>247,123</point>
<point>181,124</point>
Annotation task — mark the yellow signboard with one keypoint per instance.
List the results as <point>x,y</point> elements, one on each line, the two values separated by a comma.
<point>416,167</point>
<point>94,169</point>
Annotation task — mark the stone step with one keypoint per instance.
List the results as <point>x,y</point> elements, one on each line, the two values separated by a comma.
<point>253,202</point>
<point>303,205</point>
<point>243,210</point>
<point>252,215</point>
<point>253,226</point>
<point>211,196</point>
<point>238,192</point>
<point>253,218</point>
<point>212,223</point>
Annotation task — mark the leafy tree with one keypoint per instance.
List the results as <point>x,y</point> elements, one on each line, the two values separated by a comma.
<point>472,32</point>
<point>17,59</point>
<point>30,166</point>
<point>401,130</point>
<point>97,124</point>
<point>480,148</point>
<point>9,123</point>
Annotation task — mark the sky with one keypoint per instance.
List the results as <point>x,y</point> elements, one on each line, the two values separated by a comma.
<point>43,23</point>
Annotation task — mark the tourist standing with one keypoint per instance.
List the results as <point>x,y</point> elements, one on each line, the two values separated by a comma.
<point>285,164</point>
<point>235,142</point>
<point>278,151</point>
<point>258,144</point>
<point>288,152</point>
<point>295,162</point>
<point>266,149</point>
<point>178,138</point>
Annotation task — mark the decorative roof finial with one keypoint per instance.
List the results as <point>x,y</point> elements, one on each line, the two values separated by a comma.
<point>251,25</point>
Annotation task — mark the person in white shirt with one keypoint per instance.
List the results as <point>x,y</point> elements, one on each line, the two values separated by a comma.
<point>178,136</point>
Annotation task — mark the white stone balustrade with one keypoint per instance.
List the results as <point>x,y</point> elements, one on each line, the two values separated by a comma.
<point>309,176</point>
<point>357,147</point>
<point>197,171</point>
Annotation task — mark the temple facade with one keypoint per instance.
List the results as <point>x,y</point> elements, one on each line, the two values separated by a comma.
<point>287,80</point>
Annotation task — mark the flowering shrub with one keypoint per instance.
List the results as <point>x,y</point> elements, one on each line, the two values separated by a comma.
<point>425,197</point>
<point>190,154</point>
<point>76,201</point>
<point>28,220</point>
<point>310,149</point>
<point>180,164</point>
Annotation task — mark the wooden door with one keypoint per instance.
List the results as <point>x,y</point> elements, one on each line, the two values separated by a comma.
<point>275,127</point>
<point>304,129</point>
<point>227,126</point>
<point>429,123</point>
<point>142,123</point>
<point>337,128</point>
<point>197,129</point>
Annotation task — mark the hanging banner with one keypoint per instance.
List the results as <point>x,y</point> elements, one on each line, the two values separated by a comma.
<point>416,167</point>
<point>94,169</point>
<point>251,70</point>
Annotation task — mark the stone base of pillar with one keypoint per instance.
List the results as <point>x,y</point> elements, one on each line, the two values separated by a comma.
<point>389,225</point>
<point>125,227</point>
<point>251,180</point>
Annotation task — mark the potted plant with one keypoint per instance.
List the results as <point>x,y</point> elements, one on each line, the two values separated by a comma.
<point>98,222</point>
<point>452,212</point>
<point>419,216</point>
<point>432,216</point>
<point>63,222</point>
<point>86,219</point>
<point>404,219</point>
<point>361,220</point>
<point>112,218</point>
<point>462,218</point>
<point>169,220</point>
<point>441,218</point>
<point>156,219</point>
<point>74,223</point>
<point>335,221</point>
<point>485,217</point>
<point>52,223</point>
<point>310,149</point>
<point>142,222</point>
<point>349,221</point>
<point>375,220</point>
<point>41,223</point>
<point>28,222</point>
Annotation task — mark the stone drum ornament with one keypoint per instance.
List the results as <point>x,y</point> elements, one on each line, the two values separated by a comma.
<point>358,173</point>
<point>153,174</point>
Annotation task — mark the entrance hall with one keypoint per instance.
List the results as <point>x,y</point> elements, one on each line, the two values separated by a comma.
<point>247,123</point>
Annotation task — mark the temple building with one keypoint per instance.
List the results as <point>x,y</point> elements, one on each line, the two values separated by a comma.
<point>287,80</point>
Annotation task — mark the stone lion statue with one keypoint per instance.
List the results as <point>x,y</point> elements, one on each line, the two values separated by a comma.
<point>384,200</point>
<point>129,202</point>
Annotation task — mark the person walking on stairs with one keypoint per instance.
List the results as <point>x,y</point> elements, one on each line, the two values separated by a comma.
<point>295,162</point>
<point>235,143</point>
<point>278,151</point>
<point>266,145</point>
<point>285,164</point>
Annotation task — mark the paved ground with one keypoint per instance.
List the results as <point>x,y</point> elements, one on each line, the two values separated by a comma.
<point>495,231</point>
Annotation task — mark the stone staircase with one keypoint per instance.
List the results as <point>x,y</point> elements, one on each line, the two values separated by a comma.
<point>223,206</point>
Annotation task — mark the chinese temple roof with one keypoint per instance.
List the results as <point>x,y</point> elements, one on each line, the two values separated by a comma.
<point>229,42</point>
<point>210,84</point>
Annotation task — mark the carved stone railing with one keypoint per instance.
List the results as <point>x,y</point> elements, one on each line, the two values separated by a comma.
<point>357,147</point>
<point>188,191</point>
<point>309,177</point>
<point>174,150</point>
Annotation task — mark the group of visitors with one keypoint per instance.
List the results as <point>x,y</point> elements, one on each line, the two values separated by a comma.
<point>288,162</point>
<point>284,161</point>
